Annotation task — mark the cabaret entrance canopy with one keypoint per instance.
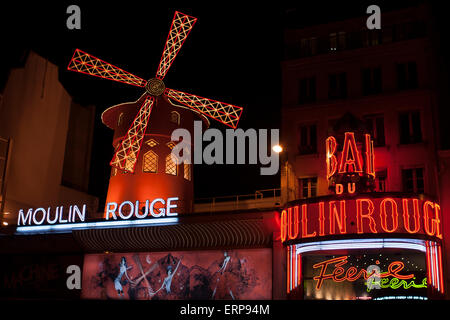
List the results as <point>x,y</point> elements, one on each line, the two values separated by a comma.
<point>126,155</point>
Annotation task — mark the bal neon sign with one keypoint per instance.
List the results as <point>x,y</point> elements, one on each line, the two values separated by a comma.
<point>350,163</point>
<point>361,216</point>
<point>339,274</point>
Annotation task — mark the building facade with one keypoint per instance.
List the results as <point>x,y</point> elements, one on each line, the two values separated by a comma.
<point>382,78</point>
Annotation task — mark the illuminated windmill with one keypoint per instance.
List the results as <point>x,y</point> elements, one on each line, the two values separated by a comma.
<point>126,154</point>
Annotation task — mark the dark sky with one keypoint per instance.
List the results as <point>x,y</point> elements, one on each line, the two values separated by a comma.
<point>233,54</point>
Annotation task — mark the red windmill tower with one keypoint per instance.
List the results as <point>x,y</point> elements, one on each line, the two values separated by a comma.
<point>142,166</point>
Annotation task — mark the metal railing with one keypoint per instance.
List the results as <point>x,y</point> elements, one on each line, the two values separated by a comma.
<point>261,199</point>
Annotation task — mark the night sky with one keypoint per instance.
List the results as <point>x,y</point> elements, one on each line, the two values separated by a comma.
<point>233,54</point>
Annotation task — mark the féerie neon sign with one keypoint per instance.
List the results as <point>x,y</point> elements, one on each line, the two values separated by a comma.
<point>339,274</point>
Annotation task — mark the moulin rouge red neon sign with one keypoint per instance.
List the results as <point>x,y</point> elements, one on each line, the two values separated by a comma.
<point>361,216</point>
<point>339,274</point>
<point>352,164</point>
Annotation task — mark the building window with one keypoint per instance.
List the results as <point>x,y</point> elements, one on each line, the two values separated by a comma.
<point>187,171</point>
<point>410,127</point>
<point>375,126</point>
<point>307,90</point>
<point>413,180</point>
<point>372,38</point>
<point>308,139</point>
<point>175,117</point>
<point>338,41</point>
<point>151,143</point>
<point>371,81</point>
<point>150,162</point>
<point>171,165</point>
<point>308,47</point>
<point>307,187</point>
<point>170,145</point>
<point>380,181</point>
<point>337,86</point>
<point>407,76</point>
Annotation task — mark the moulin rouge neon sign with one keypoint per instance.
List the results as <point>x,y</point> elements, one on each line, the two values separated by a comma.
<point>339,274</point>
<point>114,212</point>
<point>361,216</point>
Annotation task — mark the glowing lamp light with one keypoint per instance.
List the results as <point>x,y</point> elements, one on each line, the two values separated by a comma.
<point>5,223</point>
<point>277,148</point>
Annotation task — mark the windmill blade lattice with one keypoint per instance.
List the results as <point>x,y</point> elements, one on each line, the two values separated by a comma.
<point>179,30</point>
<point>226,113</point>
<point>126,155</point>
<point>85,63</point>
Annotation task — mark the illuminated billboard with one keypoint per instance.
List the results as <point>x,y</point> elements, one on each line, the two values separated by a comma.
<point>206,275</point>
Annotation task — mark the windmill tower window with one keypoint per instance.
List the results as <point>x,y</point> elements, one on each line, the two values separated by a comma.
<point>151,143</point>
<point>171,165</point>
<point>150,162</point>
<point>175,117</point>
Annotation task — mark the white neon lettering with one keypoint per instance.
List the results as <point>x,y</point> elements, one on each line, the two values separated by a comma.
<point>56,216</point>
<point>111,212</point>
<point>131,210</point>
<point>61,220</point>
<point>81,214</point>
<point>161,210</point>
<point>25,220</point>
<point>171,206</point>
<point>43,215</point>
<point>142,216</point>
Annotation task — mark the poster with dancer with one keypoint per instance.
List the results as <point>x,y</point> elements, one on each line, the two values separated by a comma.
<point>189,275</point>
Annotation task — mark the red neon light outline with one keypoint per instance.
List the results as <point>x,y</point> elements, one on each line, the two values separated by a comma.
<point>288,263</point>
<point>437,221</point>
<point>426,218</point>
<point>334,217</point>
<point>331,146</point>
<point>394,215</point>
<point>321,218</point>
<point>355,163</point>
<point>294,223</point>
<point>370,156</point>
<point>416,215</point>
<point>283,219</point>
<point>441,275</point>
<point>305,223</point>
<point>360,215</point>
